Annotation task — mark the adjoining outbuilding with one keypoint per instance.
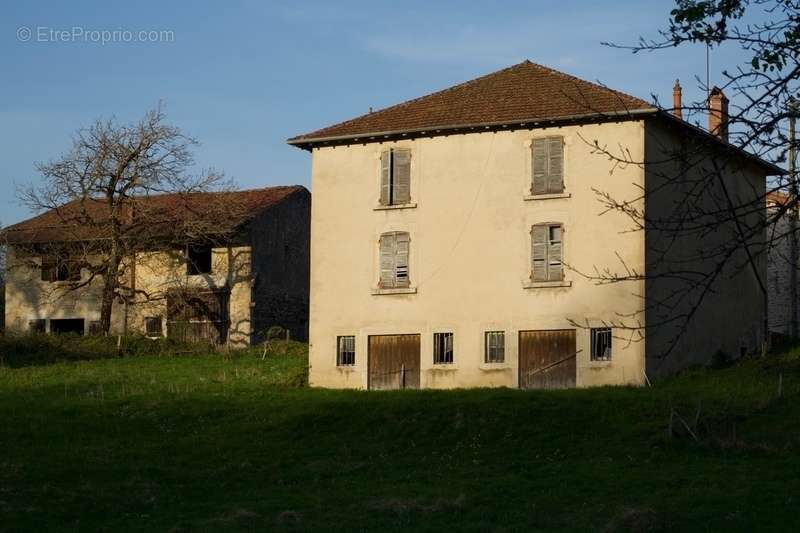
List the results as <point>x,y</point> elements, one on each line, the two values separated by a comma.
<point>225,289</point>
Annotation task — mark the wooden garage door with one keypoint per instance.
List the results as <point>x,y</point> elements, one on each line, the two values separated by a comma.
<point>393,362</point>
<point>547,359</point>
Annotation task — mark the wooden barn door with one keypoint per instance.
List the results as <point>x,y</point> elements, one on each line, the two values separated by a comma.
<point>547,359</point>
<point>393,362</point>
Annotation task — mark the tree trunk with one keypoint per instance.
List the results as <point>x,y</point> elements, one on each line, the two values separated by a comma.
<point>110,283</point>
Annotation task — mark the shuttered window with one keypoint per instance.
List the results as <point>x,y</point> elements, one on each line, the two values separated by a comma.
<point>548,165</point>
<point>396,177</point>
<point>546,251</point>
<point>346,350</point>
<point>394,248</point>
<point>495,347</point>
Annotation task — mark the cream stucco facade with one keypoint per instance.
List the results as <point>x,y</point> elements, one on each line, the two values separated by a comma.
<point>469,222</point>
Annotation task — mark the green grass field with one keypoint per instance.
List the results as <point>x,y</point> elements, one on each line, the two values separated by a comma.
<point>204,443</point>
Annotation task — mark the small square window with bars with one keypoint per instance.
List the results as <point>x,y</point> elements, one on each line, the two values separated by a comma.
<point>495,346</point>
<point>442,348</point>
<point>601,344</point>
<point>37,325</point>
<point>152,326</point>
<point>346,350</point>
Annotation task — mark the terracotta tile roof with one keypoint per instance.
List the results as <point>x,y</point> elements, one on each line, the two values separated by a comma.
<point>167,214</point>
<point>522,92</point>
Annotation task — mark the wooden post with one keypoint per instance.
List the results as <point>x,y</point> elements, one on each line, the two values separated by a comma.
<point>403,376</point>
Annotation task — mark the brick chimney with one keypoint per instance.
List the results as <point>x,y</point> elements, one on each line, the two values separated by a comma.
<point>677,100</point>
<point>718,114</point>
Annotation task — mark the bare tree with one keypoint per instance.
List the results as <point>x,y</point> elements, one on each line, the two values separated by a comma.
<point>702,226</point>
<point>107,194</point>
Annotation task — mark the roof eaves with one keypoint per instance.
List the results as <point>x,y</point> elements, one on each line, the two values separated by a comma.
<point>306,142</point>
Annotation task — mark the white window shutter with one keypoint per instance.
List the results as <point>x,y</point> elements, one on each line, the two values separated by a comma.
<point>539,162</point>
<point>401,259</point>
<point>387,265</point>
<point>555,166</point>
<point>401,176</point>
<point>539,253</point>
<point>386,182</point>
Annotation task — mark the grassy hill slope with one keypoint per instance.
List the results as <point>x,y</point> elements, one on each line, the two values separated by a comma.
<point>203,442</point>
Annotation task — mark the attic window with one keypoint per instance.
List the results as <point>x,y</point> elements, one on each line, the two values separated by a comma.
<point>198,260</point>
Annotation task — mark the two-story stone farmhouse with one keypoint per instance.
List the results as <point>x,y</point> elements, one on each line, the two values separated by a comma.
<point>227,292</point>
<point>451,234</point>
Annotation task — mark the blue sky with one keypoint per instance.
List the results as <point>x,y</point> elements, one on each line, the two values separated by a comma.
<point>243,76</point>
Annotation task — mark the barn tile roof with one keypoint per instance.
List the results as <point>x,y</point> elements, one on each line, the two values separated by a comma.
<point>167,214</point>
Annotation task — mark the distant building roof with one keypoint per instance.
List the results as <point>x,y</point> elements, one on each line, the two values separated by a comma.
<point>167,215</point>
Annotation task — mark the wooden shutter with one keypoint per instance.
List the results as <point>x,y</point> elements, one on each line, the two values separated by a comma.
<point>386,179</point>
<point>555,165</point>
<point>539,157</point>
<point>554,268</point>
<point>539,238</point>
<point>401,259</point>
<point>401,176</point>
<point>387,246</point>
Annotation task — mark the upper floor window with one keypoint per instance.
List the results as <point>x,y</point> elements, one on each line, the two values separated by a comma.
<point>394,249</point>
<point>396,176</point>
<point>548,165</point>
<point>546,246</point>
<point>57,269</point>
<point>198,259</point>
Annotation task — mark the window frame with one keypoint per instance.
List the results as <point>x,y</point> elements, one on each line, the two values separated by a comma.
<point>549,245</point>
<point>345,357</point>
<point>401,274</point>
<point>388,173</point>
<point>37,326</point>
<point>194,267</point>
<point>55,270</point>
<point>155,319</point>
<point>487,347</point>
<point>547,175</point>
<point>595,343</point>
<point>442,353</point>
